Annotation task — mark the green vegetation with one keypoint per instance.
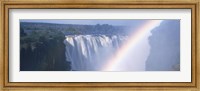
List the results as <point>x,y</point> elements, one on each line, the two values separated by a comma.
<point>42,47</point>
<point>42,51</point>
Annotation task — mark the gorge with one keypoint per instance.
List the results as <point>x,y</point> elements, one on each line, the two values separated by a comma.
<point>69,47</point>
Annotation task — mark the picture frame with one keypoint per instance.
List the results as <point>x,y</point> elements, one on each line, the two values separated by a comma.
<point>156,86</point>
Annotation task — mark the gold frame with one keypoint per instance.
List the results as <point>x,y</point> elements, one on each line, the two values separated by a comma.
<point>191,86</point>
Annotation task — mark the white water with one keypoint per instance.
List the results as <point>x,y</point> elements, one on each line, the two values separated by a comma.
<point>89,52</point>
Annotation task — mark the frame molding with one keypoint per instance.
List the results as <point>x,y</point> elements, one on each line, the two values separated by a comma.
<point>6,85</point>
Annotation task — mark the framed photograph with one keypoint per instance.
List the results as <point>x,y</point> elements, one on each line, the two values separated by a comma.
<point>100,45</point>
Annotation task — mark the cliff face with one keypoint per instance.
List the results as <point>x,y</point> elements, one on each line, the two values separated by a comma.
<point>43,51</point>
<point>165,47</point>
<point>42,47</point>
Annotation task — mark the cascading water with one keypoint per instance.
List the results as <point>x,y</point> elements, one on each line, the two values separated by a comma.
<point>90,52</point>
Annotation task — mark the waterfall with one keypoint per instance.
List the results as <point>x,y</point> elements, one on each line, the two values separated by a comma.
<point>90,52</point>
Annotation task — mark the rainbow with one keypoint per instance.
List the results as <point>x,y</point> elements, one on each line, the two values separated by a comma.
<point>135,37</point>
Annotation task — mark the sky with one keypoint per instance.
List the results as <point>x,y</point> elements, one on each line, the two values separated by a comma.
<point>116,22</point>
<point>137,46</point>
